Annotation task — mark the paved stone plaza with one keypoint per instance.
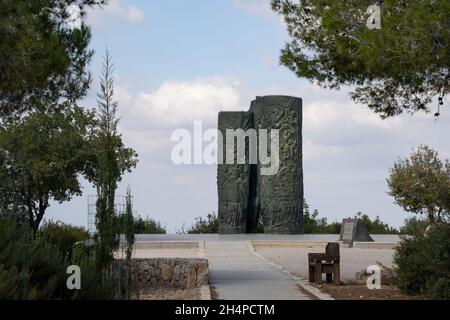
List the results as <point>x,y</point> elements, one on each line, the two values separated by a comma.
<point>239,270</point>
<point>353,260</point>
<point>236,273</point>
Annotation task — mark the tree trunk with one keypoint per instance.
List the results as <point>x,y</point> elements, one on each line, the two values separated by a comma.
<point>431,217</point>
<point>30,208</point>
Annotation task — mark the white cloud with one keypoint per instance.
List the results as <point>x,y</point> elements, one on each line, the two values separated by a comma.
<point>320,115</point>
<point>135,15</point>
<point>177,103</point>
<point>122,94</point>
<point>115,9</point>
<point>260,8</point>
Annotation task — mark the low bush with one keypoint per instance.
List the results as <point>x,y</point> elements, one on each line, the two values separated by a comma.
<point>376,226</point>
<point>35,267</point>
<point>144,225</point>
<point>315,225</point>
<point>414,226</point>
<point>63,236</point>
<point>210,224</point>
<point>423,263</point>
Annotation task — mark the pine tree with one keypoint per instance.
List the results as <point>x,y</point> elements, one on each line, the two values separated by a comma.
<point>399,66</point>
<point>43,55</point>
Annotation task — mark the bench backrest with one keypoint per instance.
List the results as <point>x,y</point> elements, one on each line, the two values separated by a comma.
<point>332,248</point>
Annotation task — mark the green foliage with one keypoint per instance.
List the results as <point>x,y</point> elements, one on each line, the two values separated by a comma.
<point>94,285</point>
<point>202,225</point>
<point>423,263</point>
<point>63,236</point>
<point>35,268</point>
<point>128,227</point>
<point>315,225</point>
<point>376,226</point>
<point>148,226</point>
<point>440,290</point>
<point>421,184</point>
<point>414,226</point>
<point>401,67</point>
<point>32,268</point>
<point>112,159</point>
<point>43,55</point>
<point>41,158</point>
<point>312,224</point>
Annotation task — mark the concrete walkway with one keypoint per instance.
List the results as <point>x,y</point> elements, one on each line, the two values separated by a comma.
<point>237,274</point>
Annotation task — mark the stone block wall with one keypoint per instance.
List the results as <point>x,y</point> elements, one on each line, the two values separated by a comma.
<point>184,273</point>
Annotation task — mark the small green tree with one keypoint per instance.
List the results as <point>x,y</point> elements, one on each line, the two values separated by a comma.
<point>41,158</point>
<point>421,184</point>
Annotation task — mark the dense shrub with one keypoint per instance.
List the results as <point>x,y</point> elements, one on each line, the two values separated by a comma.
<point>208,225</point>
<point>439,290</point>
<point>143,225</point>
<point>32,268</point>
<point>63,236</point>
<point>94,285</point>
<point>376,226</point>
<point>414,226</point>
<point>35,267</point>
<point>423,263</point>
<point>148,226</point>
<point>315,225</point>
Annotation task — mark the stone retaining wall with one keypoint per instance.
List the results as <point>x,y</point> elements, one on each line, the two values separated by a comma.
<point>182,273</point>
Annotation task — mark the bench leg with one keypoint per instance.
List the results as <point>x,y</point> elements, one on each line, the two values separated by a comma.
<point>311,274</point>
<point>337,274</point>
<point>318,273</point>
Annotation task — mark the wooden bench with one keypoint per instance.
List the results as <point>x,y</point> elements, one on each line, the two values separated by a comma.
<point>328,263</point>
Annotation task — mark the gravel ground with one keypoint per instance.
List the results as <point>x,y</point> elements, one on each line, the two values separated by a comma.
<point>169,294</point>
<point>295,260</point>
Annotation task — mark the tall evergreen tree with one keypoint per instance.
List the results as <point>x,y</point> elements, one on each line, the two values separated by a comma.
<point>113,159</point>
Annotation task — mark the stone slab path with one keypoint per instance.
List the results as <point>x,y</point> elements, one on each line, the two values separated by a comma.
<point>237,274</point>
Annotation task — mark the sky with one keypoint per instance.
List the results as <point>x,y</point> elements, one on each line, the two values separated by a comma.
<point>180,61</point>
